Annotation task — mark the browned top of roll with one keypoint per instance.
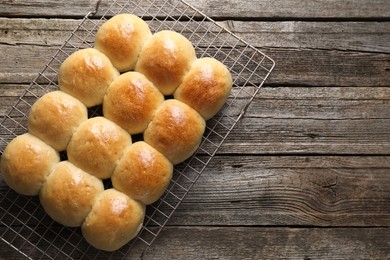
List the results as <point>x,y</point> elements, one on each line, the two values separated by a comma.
<point>121,39</point>
<point>54,118</point>
<point>131,101</point>
<point>205,87</point>
<point>26,162</point>
<point>69,193</point>
<point>165,59</point>
<point>143,173</point>
<point>97,145</point>
<point>176,130</point>
<point>86,75</point>
<point>114,220</point>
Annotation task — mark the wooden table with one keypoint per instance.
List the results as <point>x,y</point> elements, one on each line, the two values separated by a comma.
<point>306,172</point>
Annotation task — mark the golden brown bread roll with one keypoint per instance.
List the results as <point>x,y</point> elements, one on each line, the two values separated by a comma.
<point>54,118</point>
<point>121,39</point>
<point>86,75</point>
<point>114,220</point>
<point>69,193</point>
<point>165,59</point>
<point>205,87</point>
<point>97,145</point>
<point>131,101</point>
<point>143,173</point>
<point>175,131</point>
<point>26,162</point>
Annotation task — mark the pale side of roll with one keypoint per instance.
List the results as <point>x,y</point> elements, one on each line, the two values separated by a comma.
<point>68,194</point>
<point>86,75</point>
<point>175,131</point>
<point>114,220</point>
<point>54,118</point>
<point>97,145</point>
<point>165,59</point>
<point>121,38</point>
<point>131,101</point>
<point>26,162</point>
<point>143,173</point>
<point>205,87</point>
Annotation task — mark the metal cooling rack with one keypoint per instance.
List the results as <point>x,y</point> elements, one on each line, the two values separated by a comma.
<point>27,227</point>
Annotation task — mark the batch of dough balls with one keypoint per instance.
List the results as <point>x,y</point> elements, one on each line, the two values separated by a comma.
<point>151,85</point>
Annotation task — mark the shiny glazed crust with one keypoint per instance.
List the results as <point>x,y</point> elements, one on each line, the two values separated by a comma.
<point>97,145</point>
<point>121,38</point>
<point>55,117</point>
<point>26,162</point>
<point>114,220</point>
<point>205,87</point>
<point>131,101</point>
<point>165,59</point>
<point>86,75</point>
<point>69,193</point>
<point>175,131</point>
<point>143,173</point>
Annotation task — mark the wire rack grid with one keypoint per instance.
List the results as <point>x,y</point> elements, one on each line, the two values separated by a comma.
<point>27,227</point>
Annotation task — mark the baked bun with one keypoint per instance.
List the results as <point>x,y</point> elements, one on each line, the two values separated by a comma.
<point>26,162</point>
<point>131,101</point>
<point>121,39</point>
<point>175,131</point>
<point>165,59</point>
<point>86,75</point>
<point>143,173</point>
<point>69,193</point>
<point>205,87</point>
<point>97,145</point>
<point>114,220</point>
<point>54,118</point>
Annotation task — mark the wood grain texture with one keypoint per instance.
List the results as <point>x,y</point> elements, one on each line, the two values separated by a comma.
<point>292,190</point>
<point>257,243</point>
<point>270,243</point>
<point>292,9</point>
<point>303,175</point>
<point>325,191</point>
<point>27,48</point>
<point>293,120</point>
<point>343,36</point>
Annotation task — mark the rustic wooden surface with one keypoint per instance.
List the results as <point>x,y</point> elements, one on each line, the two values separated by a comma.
<point>306,172</point>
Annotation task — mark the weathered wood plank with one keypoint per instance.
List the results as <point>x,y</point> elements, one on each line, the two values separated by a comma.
<point>27,48</point>
<point>45,8</point>
<point>319,120</point>
<point>296,9</point>
<point>275,9</point>
<point>346,36</point>
<point>302,67</point>
<point>296,190</point>
<point>349,191</point>
<point>327,103</point>
<point>248,243</point>
<point>310,136</point>
<point>290,136</point>
<point>270,243</point>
